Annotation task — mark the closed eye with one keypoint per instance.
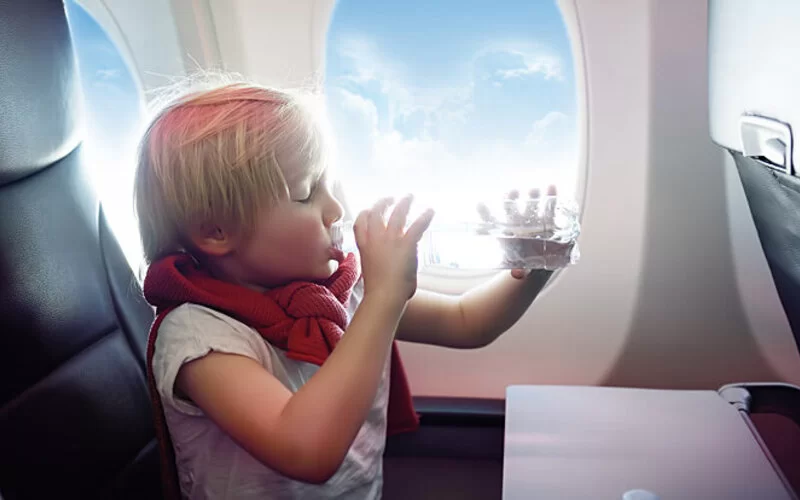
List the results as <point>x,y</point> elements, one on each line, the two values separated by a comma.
<point>310,196</point>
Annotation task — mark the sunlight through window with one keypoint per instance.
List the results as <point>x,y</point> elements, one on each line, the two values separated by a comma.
<point>457,102</point>
<point>113,112</point>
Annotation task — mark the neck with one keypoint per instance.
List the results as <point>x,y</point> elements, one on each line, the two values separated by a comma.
<point>227,269</point>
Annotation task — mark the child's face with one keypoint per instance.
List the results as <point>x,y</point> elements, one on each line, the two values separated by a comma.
<point>292,239</point>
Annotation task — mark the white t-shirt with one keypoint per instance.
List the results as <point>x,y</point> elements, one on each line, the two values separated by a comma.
<point>210,464</point>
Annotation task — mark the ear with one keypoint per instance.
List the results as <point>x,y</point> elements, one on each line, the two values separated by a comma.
<point>212,240</point>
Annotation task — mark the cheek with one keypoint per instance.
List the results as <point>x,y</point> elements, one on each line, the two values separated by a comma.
<point>304,235</point>
<point>290,241</point>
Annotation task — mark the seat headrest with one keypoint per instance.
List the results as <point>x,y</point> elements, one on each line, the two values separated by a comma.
<point>40,99</point>
<point>753,76</point>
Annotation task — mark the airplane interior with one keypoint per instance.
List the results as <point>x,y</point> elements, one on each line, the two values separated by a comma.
<point>646,369</point>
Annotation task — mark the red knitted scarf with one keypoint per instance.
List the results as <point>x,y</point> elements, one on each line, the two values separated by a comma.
<point>305,319</point>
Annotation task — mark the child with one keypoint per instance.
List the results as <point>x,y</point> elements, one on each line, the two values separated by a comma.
<point>258,393</point>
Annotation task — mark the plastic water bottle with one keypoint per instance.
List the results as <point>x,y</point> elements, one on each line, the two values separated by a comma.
<point>539,233</point>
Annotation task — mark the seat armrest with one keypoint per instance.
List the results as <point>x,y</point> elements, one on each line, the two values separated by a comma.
<point>765,397</point>
<point>460,412</point>
<point>453,428</point>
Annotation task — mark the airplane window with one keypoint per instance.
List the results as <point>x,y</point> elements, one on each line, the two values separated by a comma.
<point>455,101</point>
<point>114,111</point>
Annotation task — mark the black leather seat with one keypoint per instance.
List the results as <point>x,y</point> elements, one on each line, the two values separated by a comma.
<point>75,417</point>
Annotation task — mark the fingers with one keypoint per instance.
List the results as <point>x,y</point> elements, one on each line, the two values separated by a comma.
<point>519,273</point>
<point>550,206</point>
<point>376,214</point>
<point>512,210</point>
<point>485,214</point>
<point>371,221</point>
<point>489,221</point>
<point>419,226</point>
<point>360,228</point>
<point>397,222</point>
<point>532,206</point>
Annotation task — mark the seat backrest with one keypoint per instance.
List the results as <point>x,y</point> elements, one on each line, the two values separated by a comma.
<point>75,417</point>
<point>754,105</point>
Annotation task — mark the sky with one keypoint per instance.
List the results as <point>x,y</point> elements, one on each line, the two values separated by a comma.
<point>455,101</point>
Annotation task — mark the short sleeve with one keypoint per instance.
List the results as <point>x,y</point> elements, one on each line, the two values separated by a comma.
<point>190,332</point>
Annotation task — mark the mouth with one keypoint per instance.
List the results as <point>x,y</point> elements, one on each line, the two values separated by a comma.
<point>337,237</point>
<point>336,253</point>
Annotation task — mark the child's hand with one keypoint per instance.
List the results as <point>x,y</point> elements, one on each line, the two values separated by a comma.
<point>536,218</point>
<point>388,253</point>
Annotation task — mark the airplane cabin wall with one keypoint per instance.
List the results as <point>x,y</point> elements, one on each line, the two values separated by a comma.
<point>665,293</point>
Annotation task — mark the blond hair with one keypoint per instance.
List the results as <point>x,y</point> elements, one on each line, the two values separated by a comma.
<point>211,156</point>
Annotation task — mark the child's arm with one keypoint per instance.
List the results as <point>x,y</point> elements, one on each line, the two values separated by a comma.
<point>474,319</point>
<point>306,435</point>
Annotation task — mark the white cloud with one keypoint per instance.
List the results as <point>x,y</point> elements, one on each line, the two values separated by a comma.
<point>361,107</point>
<point>550,68</point>
<point>380,160</point>
<point>395,153</point>
<point>369,66</point>
<point>544,125</point>
<point>529,60</point>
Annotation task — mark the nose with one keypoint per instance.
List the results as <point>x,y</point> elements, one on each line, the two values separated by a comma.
<point>333,211</point>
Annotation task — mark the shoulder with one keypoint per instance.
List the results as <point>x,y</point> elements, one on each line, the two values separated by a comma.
<point>190,332</point>
<point>190,314</point>
<point>196,324</point>
<point>200,326</point>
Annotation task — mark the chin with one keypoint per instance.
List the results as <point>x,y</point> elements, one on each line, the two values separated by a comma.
<point>332,266</point>
<point>327,270</point>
